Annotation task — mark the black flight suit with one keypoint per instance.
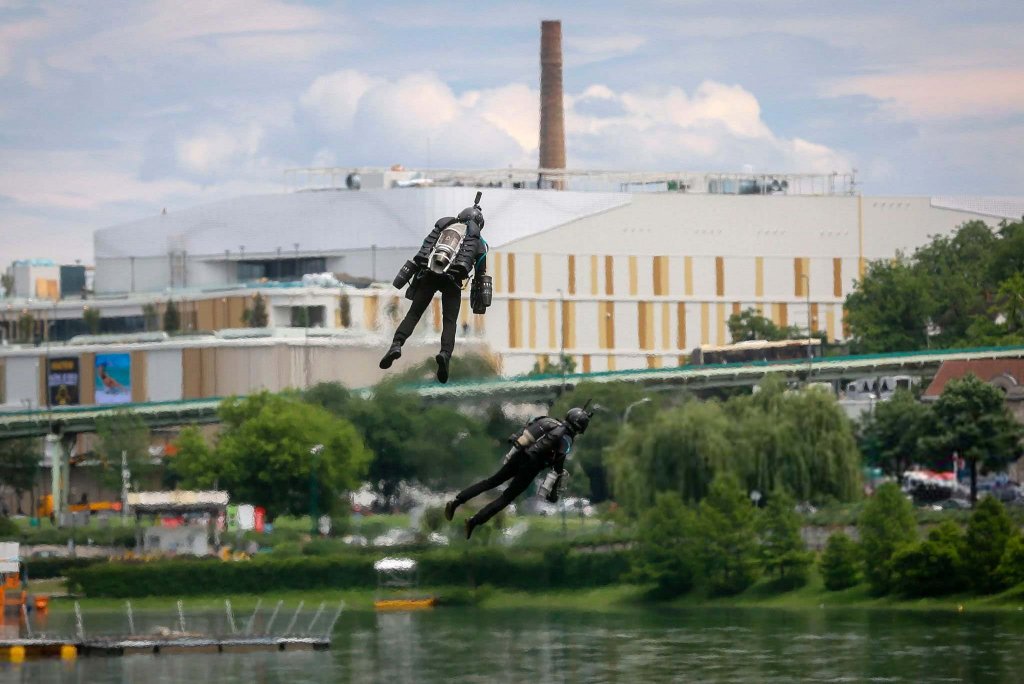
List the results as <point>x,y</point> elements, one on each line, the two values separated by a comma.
<point>543,443</point>
<point>472,257</point>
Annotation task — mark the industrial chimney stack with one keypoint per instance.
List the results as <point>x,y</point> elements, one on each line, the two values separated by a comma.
<point>552,120</point>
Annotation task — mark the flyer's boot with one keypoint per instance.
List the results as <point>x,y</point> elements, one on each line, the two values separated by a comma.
<point>442,367</point>
<point>394,353</point>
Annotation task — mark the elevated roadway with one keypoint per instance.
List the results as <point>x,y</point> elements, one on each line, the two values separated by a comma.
<point>27,423</point>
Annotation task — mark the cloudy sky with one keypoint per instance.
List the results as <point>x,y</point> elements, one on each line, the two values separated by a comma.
<point>111,111</point>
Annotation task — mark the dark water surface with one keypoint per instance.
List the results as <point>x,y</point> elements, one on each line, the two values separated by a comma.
<point>472,645</point>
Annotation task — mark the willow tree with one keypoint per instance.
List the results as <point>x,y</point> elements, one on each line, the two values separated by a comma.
<point>681,451</point>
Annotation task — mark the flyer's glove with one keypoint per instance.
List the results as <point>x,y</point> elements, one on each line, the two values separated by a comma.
<point>405,274</point>
<point>480,294</point>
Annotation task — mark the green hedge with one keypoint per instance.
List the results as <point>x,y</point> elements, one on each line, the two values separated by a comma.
<point>554,568</point>
<point>45,568</point>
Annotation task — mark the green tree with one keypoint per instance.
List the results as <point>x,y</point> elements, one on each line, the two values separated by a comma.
<point>463,367</point>
<point>800,442</point>
<point>886,524</point>
<point>264,454</point>
<point>7,284</point>
<point>19,464</point>
<point>727,544</point>
<point>26,327</point>
<point>194,462</point>
<point>1009,304</point>
<point>666,547</point>
<point>782,550</point>
<point>972,420</point>
<point>123,432</point>
<point>955,269</point>
<point>1011,566</point>
<point>681,451</point>
<point>150,317</point>
<point>612,399</point>
<point>345,310</point>
<point>92,318</point>
<point>256,316</point>
<point>988,532</point>
<point>749,324</point>
<point>889,307</point>
<point>333,396</point>
<point>892,436</point>
<point>840,562</point>
<point>172,319</point>
<point>566,365</point>
<point>932,567</point>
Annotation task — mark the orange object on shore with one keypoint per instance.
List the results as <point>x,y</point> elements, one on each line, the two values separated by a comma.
<point>42,603</point>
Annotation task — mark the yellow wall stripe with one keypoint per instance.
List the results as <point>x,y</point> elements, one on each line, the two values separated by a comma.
<point>666,323</point>
<point>680,325</point>
<point>533,324</point>
<point>552,331</point>
<point>632,276</point>
<point>609,275</point>
<point>705,323</point>
<point>721,323</point>
<point>719,276</point>
<point>572,274</point>
<point>593,274</point>
<point>538,279</point>
<point>759,276</point>
<point>511,273</point>
<point>688,274</point>
<point>837,277</point>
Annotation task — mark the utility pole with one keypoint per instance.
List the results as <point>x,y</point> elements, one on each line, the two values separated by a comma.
<point>314,514</point>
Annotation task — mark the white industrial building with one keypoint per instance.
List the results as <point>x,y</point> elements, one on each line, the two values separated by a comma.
<point>622,270</point>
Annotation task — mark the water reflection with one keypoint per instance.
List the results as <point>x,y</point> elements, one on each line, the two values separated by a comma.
<point>560,646</point>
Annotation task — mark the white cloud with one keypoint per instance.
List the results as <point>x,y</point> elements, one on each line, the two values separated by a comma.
<point>587,49</point>
<point>418,116</point>
<point>244,30</point>
<point>219,149</point>
<point>942,94</point>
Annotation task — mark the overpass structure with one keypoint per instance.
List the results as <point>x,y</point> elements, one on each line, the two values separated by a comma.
<point>821,369</point>
<point>30,423</point>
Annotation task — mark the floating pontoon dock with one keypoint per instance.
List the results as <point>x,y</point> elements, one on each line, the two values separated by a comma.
<point>292,638</point>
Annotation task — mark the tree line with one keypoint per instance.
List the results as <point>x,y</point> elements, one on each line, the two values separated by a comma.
<point>964,289</point>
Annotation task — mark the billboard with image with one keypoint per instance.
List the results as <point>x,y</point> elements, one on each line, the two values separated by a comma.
<point>62,381</point>
<point>113,378</point>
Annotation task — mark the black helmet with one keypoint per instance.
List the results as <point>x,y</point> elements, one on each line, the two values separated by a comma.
<point>472,214</point>
<point>578,419</point>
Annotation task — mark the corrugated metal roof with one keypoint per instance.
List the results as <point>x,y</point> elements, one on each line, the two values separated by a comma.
<point>339,220</point>
<point>1001,207</point>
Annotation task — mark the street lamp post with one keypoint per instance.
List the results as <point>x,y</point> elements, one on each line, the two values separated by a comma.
<point>314,514</point>
<point>625,414</point>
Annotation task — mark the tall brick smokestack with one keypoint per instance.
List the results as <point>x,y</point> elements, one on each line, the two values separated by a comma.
<point>552,120</point>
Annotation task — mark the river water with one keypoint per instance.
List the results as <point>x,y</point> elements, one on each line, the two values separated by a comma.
<point>485,645</point>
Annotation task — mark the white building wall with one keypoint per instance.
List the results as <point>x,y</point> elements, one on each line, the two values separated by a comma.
<point>22,380</point>
<point>164,375</point>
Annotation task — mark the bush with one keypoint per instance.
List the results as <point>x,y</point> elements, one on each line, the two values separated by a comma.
<point>471,567</point>
<point>886,524</point>
<point>46,568</point>
<point>8,528</point>
<point>988,531</point>
<point>839,563</point>
<point>1011,567</point>
<point>932,567</point>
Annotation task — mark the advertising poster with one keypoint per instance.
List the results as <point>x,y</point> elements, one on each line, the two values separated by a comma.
<point>113,378</point>
<point>62,382</point>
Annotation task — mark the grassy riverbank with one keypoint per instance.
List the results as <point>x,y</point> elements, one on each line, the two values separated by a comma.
<point>762,595</point>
